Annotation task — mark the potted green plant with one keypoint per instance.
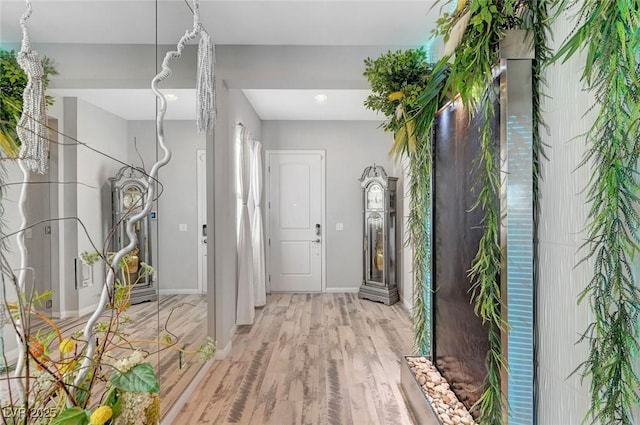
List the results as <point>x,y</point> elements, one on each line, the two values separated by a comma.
<point>398,79</point>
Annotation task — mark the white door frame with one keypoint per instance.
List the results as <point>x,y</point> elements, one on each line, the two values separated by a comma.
<point>201,196</point>
<point>323,207</point>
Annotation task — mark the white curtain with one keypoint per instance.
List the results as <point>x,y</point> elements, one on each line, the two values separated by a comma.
<point>257,234</point>
<point>245,312</point>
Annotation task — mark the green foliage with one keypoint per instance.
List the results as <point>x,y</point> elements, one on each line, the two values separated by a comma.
<point>486,267</point>
<point>419,220</point>
<point>141,378</point>
<point>90,257</point>
<point>490,402</point>
<point>478,52</point>
<point>536,20</point>
<point>114,401</point>
<point>71,416</point>
<point>13,81</point>
<point>404,71</point>
<point>408,91</point>
<point>608,32</point>
<point>207,350</point>
<point>472,77</point>
<point>419,223</point>
<point>398,81</point>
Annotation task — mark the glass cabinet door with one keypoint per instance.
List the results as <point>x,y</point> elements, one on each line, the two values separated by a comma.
<point>375,249</point>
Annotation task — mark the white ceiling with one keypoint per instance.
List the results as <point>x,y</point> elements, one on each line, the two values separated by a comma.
<point>138,104</point>
<point>299,22</point>
<point>389,23</point>
<point>302,105</point>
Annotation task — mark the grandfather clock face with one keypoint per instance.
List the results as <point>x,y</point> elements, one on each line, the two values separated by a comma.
<point>375,197</point>
<point>132,198</point>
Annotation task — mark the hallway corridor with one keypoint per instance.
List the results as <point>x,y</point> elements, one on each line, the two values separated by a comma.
<point>314,359</point>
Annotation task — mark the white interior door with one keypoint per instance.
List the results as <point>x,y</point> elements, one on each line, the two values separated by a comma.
<point>295,219</point>
<point>201,171</point>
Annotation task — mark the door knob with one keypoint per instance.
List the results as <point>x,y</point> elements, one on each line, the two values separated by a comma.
<point>316,241</point>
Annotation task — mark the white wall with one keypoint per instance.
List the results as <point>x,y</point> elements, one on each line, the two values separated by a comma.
<point>176,252</point>
<point>295,67</point>
<point>10,224</point>
<point>560,321</point>
<point>131,66</point>
<point>233,107</point>
<point>405,251</point>
<point>117,66</point>
<point>350,146</point>
<point>107,133</point>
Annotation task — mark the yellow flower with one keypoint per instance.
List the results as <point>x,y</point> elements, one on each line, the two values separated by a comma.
<point>67,345</point>
<point>396,95</point>
<point>101,415</point>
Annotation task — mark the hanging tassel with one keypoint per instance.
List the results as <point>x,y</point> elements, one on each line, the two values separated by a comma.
<point>32,126</point>
<point>205,86</point>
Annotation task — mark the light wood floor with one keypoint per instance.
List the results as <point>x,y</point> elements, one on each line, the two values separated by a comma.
<point>325,359</point>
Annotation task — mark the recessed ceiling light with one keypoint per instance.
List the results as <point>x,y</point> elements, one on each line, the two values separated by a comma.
<point>171,96</point>
<point>320,98</point>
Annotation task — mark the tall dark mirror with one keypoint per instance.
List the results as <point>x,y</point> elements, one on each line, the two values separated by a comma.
<point>460,338</point>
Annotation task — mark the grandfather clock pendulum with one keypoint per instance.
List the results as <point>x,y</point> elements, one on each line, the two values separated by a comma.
<point>379,259</point>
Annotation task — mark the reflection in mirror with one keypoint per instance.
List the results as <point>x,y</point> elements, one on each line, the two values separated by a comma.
<point>102,124</point>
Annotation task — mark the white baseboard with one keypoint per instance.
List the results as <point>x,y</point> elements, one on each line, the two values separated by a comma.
<point>177,406</point>
<point>347,290</point>
<point>408,305</point>
<point>222,354</point>
<point>77,313</point>
<point>179,292</point>
<point>87,310</point>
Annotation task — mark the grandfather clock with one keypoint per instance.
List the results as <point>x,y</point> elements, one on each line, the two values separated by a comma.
<point>128,191</point>
<point>379,259</point>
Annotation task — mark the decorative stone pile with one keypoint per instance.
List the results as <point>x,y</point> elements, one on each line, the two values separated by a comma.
<point>443,400</point>
<point>460,377</point>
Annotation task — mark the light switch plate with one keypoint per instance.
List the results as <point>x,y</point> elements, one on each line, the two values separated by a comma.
<point>339,227</point>
<point>182,227</point>
<point>87,275</point>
